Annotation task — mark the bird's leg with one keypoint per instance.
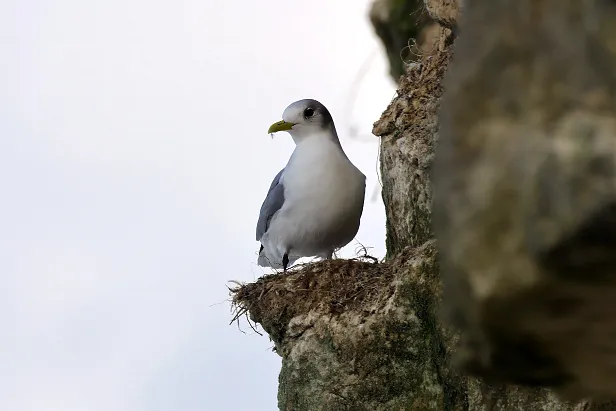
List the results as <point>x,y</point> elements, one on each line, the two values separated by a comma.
<point>285,262</point>
<point>329,255</point>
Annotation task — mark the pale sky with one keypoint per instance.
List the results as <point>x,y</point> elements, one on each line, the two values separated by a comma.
<point>134,159</point>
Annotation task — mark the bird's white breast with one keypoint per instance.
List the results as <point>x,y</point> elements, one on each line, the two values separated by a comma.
<point>320,167</point>
<point>322,185</point>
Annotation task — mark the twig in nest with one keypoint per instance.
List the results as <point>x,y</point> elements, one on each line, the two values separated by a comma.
<point>250,324</point>
<point>364,250</point>
<point>239,311</point>
<point>235,289</point>
<point>242,310</point>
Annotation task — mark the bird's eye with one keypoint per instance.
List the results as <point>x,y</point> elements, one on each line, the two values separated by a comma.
<point>309,112</point>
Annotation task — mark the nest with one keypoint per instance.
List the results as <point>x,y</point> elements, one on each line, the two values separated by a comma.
<point>329,287</point>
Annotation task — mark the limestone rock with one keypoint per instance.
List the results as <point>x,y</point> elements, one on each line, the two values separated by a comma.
<point>445,12</point>
<point>354,335</point>
<point>408,131</point>
<point>363,336</point>
<point>405,30</point>
<point>525,193</point>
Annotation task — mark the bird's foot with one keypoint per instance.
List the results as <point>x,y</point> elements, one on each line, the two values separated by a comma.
<point>285,262</point>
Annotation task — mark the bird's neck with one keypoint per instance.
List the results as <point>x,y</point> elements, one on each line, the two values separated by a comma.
<point>328,134</point>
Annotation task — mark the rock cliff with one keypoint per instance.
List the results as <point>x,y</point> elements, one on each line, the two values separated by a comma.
<point>525,193</point>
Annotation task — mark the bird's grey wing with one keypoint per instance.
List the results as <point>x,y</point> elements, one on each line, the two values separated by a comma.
<point>273,202</point>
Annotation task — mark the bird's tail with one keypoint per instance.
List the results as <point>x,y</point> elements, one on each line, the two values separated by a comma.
<point>267,260</point>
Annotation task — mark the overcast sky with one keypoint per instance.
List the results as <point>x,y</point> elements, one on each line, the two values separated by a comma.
<point>134,159</point>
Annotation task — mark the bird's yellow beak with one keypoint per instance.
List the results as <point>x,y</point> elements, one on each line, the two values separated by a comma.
<point>280,126</point>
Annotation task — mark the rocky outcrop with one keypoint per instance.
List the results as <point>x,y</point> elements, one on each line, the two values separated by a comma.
<point>525,193</point>
<point>365,335</point>
<point>406,31</point>
<point>354,335</point>
<point>408,129</point>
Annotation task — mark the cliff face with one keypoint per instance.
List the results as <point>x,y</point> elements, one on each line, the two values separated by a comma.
<point>366,335</point>
<point>525,192</point>
<point>354,335</point>
<point>406,30</point>
<point>408,131</point>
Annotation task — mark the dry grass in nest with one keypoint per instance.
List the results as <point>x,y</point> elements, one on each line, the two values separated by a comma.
<point>330,287</point>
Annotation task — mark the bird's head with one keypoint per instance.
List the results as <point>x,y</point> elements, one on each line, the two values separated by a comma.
<point>304,119</point>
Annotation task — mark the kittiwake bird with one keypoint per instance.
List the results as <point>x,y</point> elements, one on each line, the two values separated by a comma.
<point>314,205</point>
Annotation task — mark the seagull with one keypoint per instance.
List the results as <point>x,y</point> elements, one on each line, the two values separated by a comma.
<point>314,204</point>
